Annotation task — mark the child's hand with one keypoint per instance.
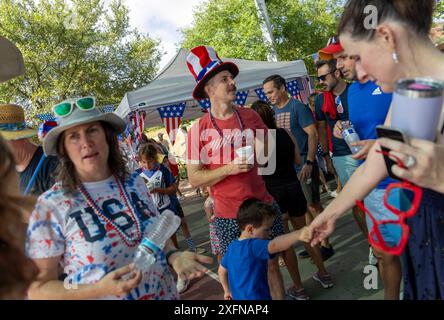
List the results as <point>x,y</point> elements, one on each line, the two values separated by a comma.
<point>227,296</point>
<point>157,190</point>
<point>304,235</point>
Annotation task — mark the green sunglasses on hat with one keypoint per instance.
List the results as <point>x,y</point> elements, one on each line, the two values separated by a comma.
<point>65,108</point>
<point>75,112</point>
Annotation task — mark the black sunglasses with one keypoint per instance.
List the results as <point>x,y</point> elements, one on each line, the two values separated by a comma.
<point>322,78</point>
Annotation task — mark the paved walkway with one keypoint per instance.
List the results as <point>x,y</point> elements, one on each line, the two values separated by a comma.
<point>346,266</point>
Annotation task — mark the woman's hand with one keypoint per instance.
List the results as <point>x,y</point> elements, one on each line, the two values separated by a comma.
<point>188,265</point>
<point>428,169</point>
<point>121,281</point>
<point>320,228</point>
<point>366,146</point>
<point>227,296</point>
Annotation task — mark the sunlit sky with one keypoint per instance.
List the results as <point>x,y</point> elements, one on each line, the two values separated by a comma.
<point>161,19</point>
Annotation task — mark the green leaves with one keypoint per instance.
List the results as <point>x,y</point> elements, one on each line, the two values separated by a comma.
<point>300,28</point>
<point>74,48</point>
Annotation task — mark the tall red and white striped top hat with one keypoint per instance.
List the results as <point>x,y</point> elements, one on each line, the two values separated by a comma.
<point>204,63</point>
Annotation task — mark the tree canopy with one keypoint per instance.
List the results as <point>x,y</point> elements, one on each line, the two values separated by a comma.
<point>74,48</point>
<point>300,28</point>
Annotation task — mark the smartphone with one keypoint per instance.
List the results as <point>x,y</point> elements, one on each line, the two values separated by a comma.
<point>395,134</point>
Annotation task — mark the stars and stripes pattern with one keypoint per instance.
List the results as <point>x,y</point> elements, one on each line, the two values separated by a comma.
<point>46,117</point>
<point>293,89</point>
<point>241,98</point>
<point>307,85</point>
<point>261,95</point>
<point>108,108</point>
<point>205,104</point>
<point>171,117</point>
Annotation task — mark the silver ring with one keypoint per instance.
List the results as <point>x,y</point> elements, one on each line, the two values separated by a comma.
<point>411,161</point>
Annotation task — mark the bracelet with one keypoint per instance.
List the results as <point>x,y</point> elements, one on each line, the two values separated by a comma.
<point>169,254</point>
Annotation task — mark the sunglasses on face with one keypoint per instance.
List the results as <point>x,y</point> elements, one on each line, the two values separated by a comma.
<point>65,108</point>
<point>324,76</point>
<point>403,199</point>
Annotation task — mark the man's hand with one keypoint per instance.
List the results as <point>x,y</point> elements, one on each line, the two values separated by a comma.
<point>305,172</point>
<point>239,165</point>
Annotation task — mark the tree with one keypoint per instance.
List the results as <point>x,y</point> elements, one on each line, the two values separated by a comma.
<point>74,48</point>
<point>300,28</point>
<point>439,12</point>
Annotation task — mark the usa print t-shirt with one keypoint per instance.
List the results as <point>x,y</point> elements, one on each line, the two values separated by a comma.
<point>69,227</point>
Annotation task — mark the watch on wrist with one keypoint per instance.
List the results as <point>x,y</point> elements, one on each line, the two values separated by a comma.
<point>309,162</point>
<point>169,254</point>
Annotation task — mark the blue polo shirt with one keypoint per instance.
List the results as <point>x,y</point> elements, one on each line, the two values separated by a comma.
<point>368,106</point>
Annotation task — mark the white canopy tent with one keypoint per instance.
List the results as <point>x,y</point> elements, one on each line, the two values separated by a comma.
<point>174,84</point>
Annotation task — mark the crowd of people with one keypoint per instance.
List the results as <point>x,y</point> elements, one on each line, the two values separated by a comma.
<point>74,210</point>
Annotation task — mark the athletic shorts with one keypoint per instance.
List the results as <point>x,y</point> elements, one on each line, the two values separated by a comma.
<point>311,190</point>
<point>290,198</point>
<point>345,166</point>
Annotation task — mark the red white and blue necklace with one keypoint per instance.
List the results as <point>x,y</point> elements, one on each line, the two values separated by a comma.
<point>129,241</point>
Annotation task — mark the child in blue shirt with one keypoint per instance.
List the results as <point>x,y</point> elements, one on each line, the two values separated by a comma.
<point>244,267</point>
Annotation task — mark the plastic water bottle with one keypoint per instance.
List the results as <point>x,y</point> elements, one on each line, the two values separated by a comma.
<point>350,136</point>
<point>161,230</point>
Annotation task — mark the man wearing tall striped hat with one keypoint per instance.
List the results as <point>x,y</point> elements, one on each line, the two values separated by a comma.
<point>213,142</point>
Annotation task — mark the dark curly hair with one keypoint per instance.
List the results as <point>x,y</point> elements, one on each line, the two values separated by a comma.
<point>16,270</point>
<point>66,172</point>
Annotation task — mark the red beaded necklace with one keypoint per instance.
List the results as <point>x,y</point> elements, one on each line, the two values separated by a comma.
<point>130,242</point>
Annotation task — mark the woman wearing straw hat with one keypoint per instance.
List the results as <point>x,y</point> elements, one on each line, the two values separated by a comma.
<point>95,216</point>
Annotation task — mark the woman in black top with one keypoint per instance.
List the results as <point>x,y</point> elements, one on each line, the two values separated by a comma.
<point>286,189</point>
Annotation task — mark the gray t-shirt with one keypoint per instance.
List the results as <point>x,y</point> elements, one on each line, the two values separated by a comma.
<point>295,116</point>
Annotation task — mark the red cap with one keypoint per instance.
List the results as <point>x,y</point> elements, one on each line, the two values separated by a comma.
<point>333,47</point>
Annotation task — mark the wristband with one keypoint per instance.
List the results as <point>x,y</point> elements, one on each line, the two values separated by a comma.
<point>169,254</point>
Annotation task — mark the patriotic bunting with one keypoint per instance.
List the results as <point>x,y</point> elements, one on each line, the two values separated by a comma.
<point>171,117</point>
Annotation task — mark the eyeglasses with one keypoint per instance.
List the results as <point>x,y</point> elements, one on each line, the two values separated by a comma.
<point>65,108</point>
<point>403,199</point>
<point>322,78</point>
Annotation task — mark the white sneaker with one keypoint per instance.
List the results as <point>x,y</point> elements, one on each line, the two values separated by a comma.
<point>182,285</point>
<point>372,260</point>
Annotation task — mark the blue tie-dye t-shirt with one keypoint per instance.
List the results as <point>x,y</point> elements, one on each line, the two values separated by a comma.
<point>68,227</point>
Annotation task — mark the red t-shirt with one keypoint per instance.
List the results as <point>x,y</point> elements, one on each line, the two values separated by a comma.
<point>207,150</point>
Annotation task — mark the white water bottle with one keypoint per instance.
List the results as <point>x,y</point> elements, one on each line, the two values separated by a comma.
<point>350,136</point>
<point>161,230</point>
